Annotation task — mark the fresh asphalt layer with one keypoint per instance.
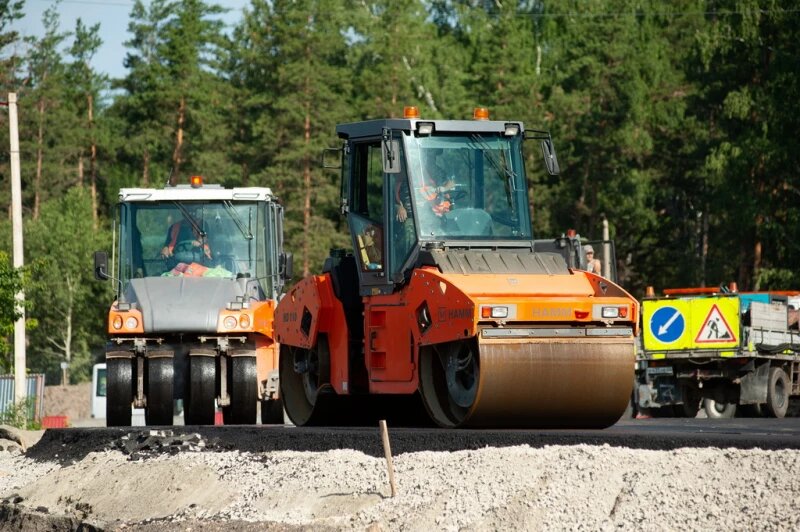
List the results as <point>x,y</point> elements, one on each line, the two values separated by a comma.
<point>71,444</point>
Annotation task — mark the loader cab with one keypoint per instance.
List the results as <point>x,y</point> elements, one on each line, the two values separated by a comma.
<point>409,185</point>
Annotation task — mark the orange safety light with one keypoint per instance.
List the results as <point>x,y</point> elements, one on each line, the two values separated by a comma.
<point>480,113</point>
<point>410,111</point>
<point>196,181</point>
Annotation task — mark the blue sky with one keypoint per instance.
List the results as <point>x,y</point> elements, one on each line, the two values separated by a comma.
<point>113,18</point>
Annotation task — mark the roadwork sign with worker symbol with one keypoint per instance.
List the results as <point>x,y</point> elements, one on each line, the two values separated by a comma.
<point>691,323</point>
<point>715,329</point>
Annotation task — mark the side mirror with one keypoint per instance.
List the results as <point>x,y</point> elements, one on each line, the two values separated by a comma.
<point>332,158</point>
<point>550,159</point>
<point>101,266</point>
<point>286,266</point>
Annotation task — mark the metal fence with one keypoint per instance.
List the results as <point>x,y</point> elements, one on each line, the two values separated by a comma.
<point>35,390</point>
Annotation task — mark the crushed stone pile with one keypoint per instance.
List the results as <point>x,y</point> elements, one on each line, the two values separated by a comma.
<point>160,482</point>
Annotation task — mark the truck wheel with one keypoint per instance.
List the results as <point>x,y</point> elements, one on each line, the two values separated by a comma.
<point>777,393</point>
<point>119,386</point>
<point>718,409</point>
<point>691,403</point>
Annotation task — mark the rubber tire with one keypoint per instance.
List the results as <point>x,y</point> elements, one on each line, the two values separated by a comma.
<point>272,412</point>
<point>201,392</point>
<point>243,389</point>
<point>159,386</point>
<point>777,392</point>
<point>711,407</point>
<point>119,388</point>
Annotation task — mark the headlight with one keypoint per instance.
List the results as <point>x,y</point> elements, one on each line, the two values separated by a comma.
<point>117,323</point>
<point>610,312</point>
<point>494,312</point>
<point>131,322</point>
<point>230,322</point>
<point>244,321</point>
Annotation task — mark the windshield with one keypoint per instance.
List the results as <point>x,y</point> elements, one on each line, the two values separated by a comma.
<point>199,239</point>
<point>469,187</point>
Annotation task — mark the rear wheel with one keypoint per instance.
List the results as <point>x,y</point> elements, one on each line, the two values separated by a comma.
<point>719,409</point>
<point>158,386</point>
<point>242,387</point>
<point>777,392</point>
<point>119,386</point>
<point>199,408</point>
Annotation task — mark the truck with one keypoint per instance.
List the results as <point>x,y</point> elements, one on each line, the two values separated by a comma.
<point>446,310</point>
<point>730,352</point>
<point>197,269</point>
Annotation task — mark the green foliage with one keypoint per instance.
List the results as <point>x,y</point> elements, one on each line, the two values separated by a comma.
<point>68,303</point>
<point>675,122</point>
<point>20,415</point>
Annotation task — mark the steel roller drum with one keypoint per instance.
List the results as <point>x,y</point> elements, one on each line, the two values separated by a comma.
<point>535,383</point>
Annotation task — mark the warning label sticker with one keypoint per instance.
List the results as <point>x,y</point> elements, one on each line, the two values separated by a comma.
<point>715,329</point>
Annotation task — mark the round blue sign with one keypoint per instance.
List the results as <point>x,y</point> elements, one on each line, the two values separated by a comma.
<point>667,324</point>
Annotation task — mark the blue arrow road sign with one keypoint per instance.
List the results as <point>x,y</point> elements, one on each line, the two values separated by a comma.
<point>667,324</point>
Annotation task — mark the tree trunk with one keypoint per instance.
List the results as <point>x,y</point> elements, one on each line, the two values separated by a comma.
<point>177,154</point>
<point>92,162</point>
<point>146,168</point>
<point>80,169</point>
<point>307,191</point>
<point>37,183</point>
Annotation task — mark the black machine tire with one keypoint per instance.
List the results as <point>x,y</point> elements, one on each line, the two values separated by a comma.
<point>272,412</point>
<point>201,391</point>
<point>243,389</point>
<point>449,374</point>
<point>119,386</point>
<point>777,392</point>
<point>159,391</point>
<point>301,390</point>
<point>719,409</point>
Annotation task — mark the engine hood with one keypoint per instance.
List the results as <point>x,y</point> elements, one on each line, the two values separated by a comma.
<point>182,304</point>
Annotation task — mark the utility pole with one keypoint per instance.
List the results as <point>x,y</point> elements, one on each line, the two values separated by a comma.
<point>20,380</point>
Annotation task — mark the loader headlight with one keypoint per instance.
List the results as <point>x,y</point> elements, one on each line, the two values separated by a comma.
<point>117,323</point>
<point>230,322</point>
<point>131,322</point>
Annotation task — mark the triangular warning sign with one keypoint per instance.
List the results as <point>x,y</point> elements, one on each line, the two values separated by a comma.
<point>715,329</point>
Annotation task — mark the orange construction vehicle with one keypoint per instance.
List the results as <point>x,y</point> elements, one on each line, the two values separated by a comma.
<point>199,271</point>
<point>446,311</point>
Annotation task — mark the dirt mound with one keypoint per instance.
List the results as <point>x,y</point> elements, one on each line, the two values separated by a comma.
<point>73,401</point>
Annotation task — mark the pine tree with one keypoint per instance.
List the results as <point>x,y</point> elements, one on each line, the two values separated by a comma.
<point>85,86</point>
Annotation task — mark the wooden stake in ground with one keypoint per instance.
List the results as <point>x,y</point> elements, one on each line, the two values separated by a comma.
<point>388,451</point>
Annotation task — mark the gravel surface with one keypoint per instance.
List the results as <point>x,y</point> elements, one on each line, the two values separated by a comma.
<point>182,486</point>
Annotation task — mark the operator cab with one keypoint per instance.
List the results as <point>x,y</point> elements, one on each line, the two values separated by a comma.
<point>410,185</point>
